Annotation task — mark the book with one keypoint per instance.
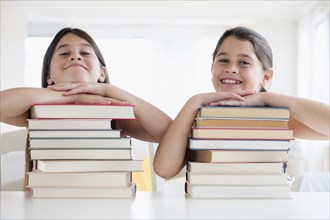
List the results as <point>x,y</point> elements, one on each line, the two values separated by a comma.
<point>236,179</point>
<point>54,166</point>
<point>242,133</point>
<point>237,156</point>
<point>80,143</point>
<point>74,133</point>
<point>241,122</point>
<point>69,124</point>
<point>84,192</point>
<point>244,112</point>
<point>80,154</point>
<point>238,192</point>
<point>92,179</point>
<point>207,144</point>
<point>82,111</point>
<point>237,168</point>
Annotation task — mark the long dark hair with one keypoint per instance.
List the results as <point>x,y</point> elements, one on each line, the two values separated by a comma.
<point>51,49</point>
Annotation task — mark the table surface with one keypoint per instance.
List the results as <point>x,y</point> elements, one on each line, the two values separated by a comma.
<point>159,205</point>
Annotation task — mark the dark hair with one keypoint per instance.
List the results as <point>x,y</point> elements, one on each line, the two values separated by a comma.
<point>51,49</point>
<point>260,44</point>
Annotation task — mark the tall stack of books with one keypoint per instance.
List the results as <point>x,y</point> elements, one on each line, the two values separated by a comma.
<point>239,152</point>
<point>77,153</point>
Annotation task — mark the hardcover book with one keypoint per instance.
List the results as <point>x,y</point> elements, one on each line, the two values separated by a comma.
<point>82,111</point>
<point>244,112</point>
<point>210,156</point>
<point>83,179</point>
<point>242,133</point>
<point>54,166</point>
<point>211,144</point>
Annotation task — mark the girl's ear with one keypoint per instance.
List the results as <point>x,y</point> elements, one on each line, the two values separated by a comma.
<point>50,81</point>
<point>267,78</point>
<point>103,74</point>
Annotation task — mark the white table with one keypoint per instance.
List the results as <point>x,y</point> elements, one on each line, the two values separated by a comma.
<point>147,205</point>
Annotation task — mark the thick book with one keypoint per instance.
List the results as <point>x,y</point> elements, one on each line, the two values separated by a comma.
<point>80,143</point>
<point>246,156</point>
<point>208,144</point>
<point>243,112</point>
<point>241,122</point>
<point>236,179</point>
<point>242,133</point>
<point>80,154</point>
<point>54,166</point>
<point>84,192</point>
<point>237,168</point>
<point>86,179</point>
<point>238,192</point>
<point>82,111</point>
<point>74,133</point>
<point>69,124</point>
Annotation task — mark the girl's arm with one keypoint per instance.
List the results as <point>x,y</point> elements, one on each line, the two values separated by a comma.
<point>309,119</point>
<point>171,152</point>
<point>150,123</point>
<point>16,102</point>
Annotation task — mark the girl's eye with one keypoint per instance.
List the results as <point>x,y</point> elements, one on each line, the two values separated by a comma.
<point>244,63</point>
<point>64,54</point>
<point>223,60</point>
<point>85,53</point>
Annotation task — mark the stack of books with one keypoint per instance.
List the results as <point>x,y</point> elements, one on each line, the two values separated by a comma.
<point>76,152</point>
<point>239,152</point>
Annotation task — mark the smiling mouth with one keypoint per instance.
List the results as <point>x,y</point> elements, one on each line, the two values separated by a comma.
<point>75,65</point>
<point>230,81</point>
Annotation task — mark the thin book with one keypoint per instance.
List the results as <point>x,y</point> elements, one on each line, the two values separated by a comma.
<point>243,112</point>
<point>55,166</point>
<point>211,144</point>
<point>85,192</point>
<point>75,111</point>
<point>82,179</point>
<point>245,156</point>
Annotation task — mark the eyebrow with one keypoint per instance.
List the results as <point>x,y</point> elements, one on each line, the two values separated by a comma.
<point>242,55</point>
<point>67,45</point>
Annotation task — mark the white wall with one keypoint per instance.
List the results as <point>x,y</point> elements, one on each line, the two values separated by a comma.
<point>19,19</point>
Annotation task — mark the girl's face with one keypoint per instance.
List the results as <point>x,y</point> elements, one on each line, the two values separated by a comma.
<point>237,68</point>
<point>74,60</point>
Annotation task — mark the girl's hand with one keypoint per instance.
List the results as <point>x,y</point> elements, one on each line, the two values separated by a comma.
<point>257,99</point>
<point>96,89</point>
<point>229,98</point>
<point>79,88</point>
<point>96,99</point>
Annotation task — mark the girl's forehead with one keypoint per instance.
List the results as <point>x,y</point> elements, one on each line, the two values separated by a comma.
<point>72,40</point>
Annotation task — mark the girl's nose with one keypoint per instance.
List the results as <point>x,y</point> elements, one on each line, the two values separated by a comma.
<point>231,69</point>
<point>75,56</point>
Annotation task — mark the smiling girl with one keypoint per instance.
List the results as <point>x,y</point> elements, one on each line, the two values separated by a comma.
<point>74,72</point>
<point>241,73</point>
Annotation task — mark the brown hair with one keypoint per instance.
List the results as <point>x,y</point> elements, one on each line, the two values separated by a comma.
<point>51,49</point>
<point>260,44</point>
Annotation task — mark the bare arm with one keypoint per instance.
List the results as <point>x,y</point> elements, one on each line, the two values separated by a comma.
<point>16,102</point>
<point>309,119</point>
<point>171,152</point>
<point>150,123</point>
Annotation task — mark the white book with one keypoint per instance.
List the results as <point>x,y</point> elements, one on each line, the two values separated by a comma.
<point>80,111</point>
<point>237,180</point>
<point>74,133</point>
<point>237,168</point>
<point>211,144</point>
<point>69,124</point>
<point>86,179</point>
<point>81,154</point>
<point>84,192</point>
<point>238,192</point>
<point>53,166</point>
<point>69,143</point>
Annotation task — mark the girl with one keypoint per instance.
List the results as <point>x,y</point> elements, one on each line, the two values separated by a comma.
<point>74,72</point>
<point>241,73</point>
